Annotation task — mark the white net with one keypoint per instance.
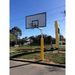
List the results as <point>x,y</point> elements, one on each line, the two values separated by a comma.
<point>33,25</point>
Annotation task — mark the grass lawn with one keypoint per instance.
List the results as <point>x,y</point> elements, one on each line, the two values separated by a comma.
<point>33,47</point>
<point>17,49</point>
<point>55,57</point>
<point>48,47</point>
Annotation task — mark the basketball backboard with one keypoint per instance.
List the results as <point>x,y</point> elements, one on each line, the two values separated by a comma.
<point>37,20</point>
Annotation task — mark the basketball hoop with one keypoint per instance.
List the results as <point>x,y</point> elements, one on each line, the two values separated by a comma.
<point>33,25</point>
<point>37,21</point>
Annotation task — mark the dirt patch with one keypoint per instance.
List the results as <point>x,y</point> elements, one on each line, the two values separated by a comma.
<point>44,61</point>
<point>48,61</point>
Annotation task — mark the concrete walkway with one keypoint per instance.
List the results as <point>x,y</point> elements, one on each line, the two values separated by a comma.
<point>25,68</point>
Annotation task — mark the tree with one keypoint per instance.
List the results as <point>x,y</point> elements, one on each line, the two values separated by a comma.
<point>61,37</point>
<point>12,36</point>
<point>16,31</point>
<point>45,39</point>
<point>49,39</point>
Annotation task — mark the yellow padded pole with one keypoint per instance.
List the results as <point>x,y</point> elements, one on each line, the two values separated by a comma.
<point>56,33</point>
<point>42,49</point>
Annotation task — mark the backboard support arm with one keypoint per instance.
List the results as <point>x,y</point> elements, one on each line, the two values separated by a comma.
<point>41,31</point>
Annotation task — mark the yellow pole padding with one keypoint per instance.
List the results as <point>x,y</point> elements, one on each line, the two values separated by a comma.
<point>42,49</point>
<point>56,32</point>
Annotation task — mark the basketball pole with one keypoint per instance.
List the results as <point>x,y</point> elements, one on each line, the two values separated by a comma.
<point>57,34</point>
<point>42,44</point>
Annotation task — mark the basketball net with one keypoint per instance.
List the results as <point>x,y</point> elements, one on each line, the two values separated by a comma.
<point>33,26</point>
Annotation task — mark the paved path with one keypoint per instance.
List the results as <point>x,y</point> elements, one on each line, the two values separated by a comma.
<point>24,68</point>
<point>14,52</point>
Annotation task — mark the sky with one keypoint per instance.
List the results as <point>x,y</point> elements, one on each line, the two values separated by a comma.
<point>54,9</point>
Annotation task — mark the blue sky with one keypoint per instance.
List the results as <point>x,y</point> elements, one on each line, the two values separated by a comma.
<point>53,8</point>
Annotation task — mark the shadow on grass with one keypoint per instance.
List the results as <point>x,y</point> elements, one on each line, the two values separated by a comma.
<point>28,53</point>
<point>15,56</point>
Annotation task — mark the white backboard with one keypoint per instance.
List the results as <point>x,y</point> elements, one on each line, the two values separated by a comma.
<point>38,19</point>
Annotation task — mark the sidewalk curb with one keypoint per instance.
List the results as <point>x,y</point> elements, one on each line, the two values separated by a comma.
<point>37,62</point>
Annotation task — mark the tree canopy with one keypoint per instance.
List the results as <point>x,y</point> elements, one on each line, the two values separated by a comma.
<point>16,31</point>
<point>12,36</point>
<point>37,39</point>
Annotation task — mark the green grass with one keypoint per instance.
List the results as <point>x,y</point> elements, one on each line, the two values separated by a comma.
<point>48,47</point>
<point>13,54</point>
<point>33,47</point>
<point>17,49</point>
<point>30,56</point>
<point>56,57</point>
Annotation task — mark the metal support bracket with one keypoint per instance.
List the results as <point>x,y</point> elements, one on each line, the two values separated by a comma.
<point>41,32</point>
